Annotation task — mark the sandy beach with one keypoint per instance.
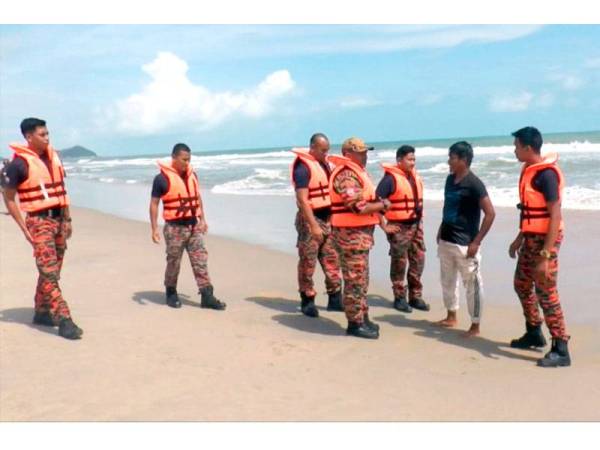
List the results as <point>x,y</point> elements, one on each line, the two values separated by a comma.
<point>261,360</point>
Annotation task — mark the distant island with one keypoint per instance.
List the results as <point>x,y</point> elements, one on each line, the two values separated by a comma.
<point>76,152</point>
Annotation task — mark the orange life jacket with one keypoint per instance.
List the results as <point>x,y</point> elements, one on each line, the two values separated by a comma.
<point>43,189</point>
<point>407,205</point>
<point>318,185</point>
<point>341,216</point>
<point>182,198</point>
<point>535,217</point>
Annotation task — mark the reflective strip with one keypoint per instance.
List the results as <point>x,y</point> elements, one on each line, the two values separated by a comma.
<point>41,197</point>
<point>37,188</point>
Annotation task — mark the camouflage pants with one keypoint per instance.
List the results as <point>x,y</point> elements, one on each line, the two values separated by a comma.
<point>408,245</point>
<point>309,251</point>
<point>49,246</point>
<point>185,237</point>
<point>527,281</point>
<point>353,246</point>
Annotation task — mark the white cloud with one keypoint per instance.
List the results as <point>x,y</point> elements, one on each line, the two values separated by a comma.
<point>544,100</point>
<point>569,82</point>
<point>357,102</point>
<point>511,103</point>
<point>170,99</point>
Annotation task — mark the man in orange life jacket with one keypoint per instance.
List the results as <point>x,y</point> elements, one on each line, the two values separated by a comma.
<point>354,214</point>
<point>404,188</point>
<point>541,233</point>
<point>178,188</point>
<point>36,174</point>
<point>310,177</point>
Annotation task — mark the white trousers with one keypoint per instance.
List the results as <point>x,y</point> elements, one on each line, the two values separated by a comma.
<point>453,259</point>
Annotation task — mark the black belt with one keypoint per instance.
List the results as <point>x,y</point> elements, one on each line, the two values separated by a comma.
<point>53,213</point>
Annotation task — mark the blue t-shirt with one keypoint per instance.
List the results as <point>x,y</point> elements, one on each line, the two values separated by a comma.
<point>462,213</point>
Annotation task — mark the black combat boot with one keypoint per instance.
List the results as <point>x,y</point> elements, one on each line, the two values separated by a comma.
<point>360,329</point>
<point>419,303</point>
<point>173,298</point>
<point>335,302</point>
<point>208,300</point>
<point>44,318</point>
<point>401,305</point>
<point>368,323</point>
<point>68,329</point>
<point>307,305</point>
<point>533,337</point>
<point>558,356</point>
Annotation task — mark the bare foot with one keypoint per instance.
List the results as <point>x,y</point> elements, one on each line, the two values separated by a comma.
<point>449,322</point>
<point>473,331</point>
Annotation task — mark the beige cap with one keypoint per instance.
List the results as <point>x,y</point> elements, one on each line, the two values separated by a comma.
<point>356,145</point>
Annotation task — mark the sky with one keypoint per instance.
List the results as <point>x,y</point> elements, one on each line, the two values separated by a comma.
<point>138,89</point>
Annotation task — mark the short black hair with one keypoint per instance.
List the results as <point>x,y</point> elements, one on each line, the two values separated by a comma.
<point>463,150</point>
<point>530,136</point>
<point>317,136</point>
<point>29,125</point>
<point>404,150</point>
<point>178,148</point>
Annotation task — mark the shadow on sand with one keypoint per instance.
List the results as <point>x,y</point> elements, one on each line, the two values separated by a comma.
<point>295,319</point>
<point>158,297</point>
<point>486,347</point>
<point>24,317</point>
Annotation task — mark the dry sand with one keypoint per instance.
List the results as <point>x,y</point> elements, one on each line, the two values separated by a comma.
<point>261,359</point>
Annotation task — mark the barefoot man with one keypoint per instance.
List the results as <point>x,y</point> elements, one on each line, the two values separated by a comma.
<point>459,236</point>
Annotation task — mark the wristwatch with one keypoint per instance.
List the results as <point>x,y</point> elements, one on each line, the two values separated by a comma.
<point>545,254</point>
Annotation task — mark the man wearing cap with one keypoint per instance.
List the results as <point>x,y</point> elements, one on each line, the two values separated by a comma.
<point>354,214</point>
<point>310,177</point>
<point>402,185</point>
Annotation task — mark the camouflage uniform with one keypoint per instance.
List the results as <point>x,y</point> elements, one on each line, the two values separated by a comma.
<point>185,237</point>
<point>546,293</point>
<point>49,246</point>
<point>310,250</point>
<point>353,245</point>
<point>407,245</point>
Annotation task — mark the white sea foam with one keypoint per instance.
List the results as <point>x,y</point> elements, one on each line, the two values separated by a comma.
<point>262,182</point>
<point>438,168</point>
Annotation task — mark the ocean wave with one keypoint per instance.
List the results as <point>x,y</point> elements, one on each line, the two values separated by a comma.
<point>285,157</point>
<point>262,182</point>
<point>571,147</point>
<point>438,168</point>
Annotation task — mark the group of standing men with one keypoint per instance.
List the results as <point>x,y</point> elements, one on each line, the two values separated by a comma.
<point>338,209</point>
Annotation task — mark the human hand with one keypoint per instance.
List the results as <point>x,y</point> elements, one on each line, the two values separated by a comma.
<point>317,233</point>
<point>68,229</point>
<point>391,229</point>
<point>513,249</point>
<point>202,225</point>
<point>472,249</point>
